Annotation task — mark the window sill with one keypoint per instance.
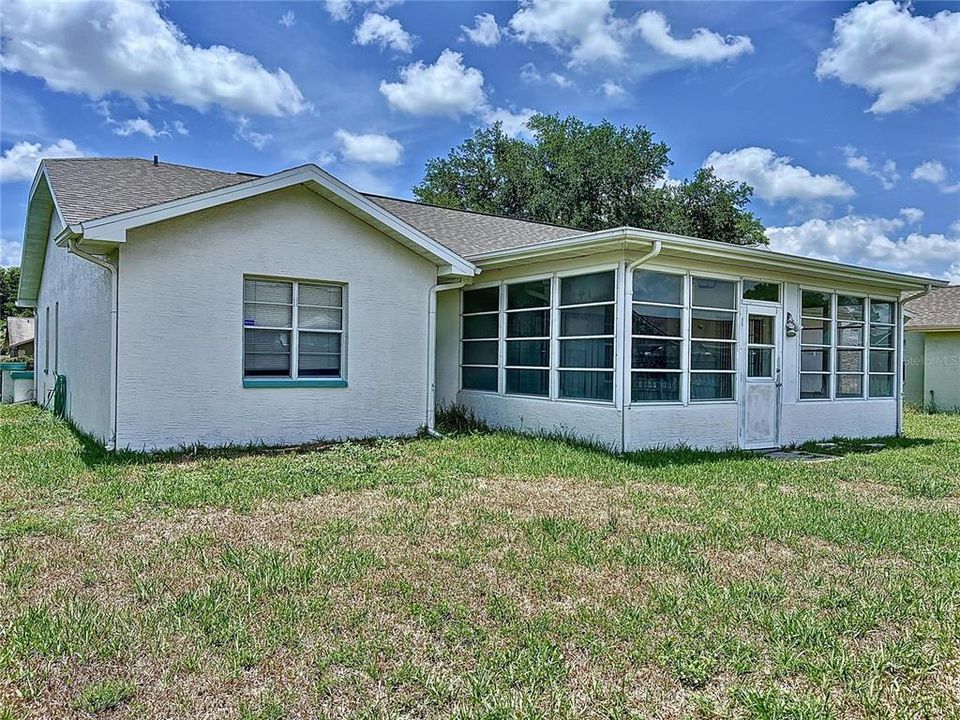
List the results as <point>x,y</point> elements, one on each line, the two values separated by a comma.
<point>290,383</point>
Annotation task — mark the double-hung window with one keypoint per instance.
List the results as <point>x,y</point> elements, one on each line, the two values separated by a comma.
<point>657,337</point>
<point>586,334</point>
<point>816,342</point>
<point>883,331</point>
<point>713,344</point>
<point>528,338</point>
<point>292,329</point>
<point>851,326</point>
<point>480,344</point>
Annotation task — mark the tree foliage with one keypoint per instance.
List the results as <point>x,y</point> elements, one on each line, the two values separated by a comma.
<point>587,176</point>
<point>9,280</point>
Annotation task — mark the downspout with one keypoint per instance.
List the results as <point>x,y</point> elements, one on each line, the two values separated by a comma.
<point>628,287</point>
<point>73,243</point>
<point>903,347</point>
<point>432,354</point>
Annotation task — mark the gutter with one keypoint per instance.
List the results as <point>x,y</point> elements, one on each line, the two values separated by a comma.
<point>432,353</point>
<point>902,343</point>
<point>73,245</point>
<point>628,315</point>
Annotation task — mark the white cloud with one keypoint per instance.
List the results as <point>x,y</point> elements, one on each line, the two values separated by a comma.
<point>325,159</point>
<point>935,173</point>
<point>773,178</point>
<point>901,58</point>
<point>248,134</point>
<point>288,19</point>
<point>513,124</point>
<point>20,161</point>
<point>342,9</point>
<point>886,173</point>
<point>529,73</point>
<point>485,30</point>
<point>612,89</point>
<point>872,242</point>
<point>138,125</point>
<point>912,215</point>
<point>180,127</point>
<point>703,45</point>
<point>97,47</point>
<point>368,147</point>
<point>10,251</point>
<point>384,31</point>
<point>446,88</point>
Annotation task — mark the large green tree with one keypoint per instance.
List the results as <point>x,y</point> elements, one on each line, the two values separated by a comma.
<point>587,176</point>
<point>9,280</point>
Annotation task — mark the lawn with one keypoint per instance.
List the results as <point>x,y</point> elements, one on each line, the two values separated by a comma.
<point>482,576</point>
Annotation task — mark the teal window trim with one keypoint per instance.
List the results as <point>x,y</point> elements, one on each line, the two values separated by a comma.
<point>288,382</point>
<point>13,366</point>
<point>21,374</point>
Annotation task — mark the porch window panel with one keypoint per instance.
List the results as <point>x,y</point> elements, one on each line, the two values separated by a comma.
<point>655,386</point>
<point>480,339</point>
<point>586,353</point>
<point>849,386</point>
<point>711,355</point>
<point>815,360</point>
<point>713,324</point>
<point>524,295</point>
<point>881,361</point>
<point>530,323</point>
<point>712,386</point>
<point>479,378</point>
<point>528,353</point>
<point>655,287</point>
<point>850,307</point>
<point>760,362</point>
<point>480,352</point>
<point>816,331</point>
<point>656,354</point>
<point>814,304</point>
<point>849,361</point>
<point>759,290</point>
<point>712,293</point>
<point>481,300</point>
<point>586,385</point>
<point>849,334</point>
<point>814,386</point>
<point>882,312</point>
<point>585,289</point>
<point>528,381</point>
<point>657,320</point>
<point>882,365</point>
<point>881,386</point>
<point>477,327</point>
<point>881,336</point>
<point>589,320</point>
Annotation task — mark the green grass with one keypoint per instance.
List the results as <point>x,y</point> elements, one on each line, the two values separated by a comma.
<point>483,576</point>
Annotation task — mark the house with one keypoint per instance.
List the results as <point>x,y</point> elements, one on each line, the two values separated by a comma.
<point>19,339</point>
<point>183,306</point>
<point>932,350</point>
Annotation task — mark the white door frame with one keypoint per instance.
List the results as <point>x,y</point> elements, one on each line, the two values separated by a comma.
<point>774,311</point>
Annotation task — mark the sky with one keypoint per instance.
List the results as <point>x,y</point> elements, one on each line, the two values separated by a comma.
<point>844,117</point>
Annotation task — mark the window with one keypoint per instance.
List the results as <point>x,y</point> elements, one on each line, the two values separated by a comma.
<point>292,329</point>
<point>528,338</point>
<point>46,341</point>
<point>480,344</point>
<point>586,334</point>
<point>882,348</point>
<point>851,323</point>
<point>759,290</point>
<point>713,321</point>
<point>816,341</point>
<point>761,346</point>
<point>56,337</point>
<point>657,337</point>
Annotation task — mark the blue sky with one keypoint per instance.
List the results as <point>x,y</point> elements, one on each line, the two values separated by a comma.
<point>844,117</point>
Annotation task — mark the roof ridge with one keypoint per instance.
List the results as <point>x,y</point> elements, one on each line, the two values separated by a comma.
<point>149,161</point>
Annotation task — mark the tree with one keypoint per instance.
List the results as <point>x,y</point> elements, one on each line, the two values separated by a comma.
<point>587,176</point>
<point>9,281</point>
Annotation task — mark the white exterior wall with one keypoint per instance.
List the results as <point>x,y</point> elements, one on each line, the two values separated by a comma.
<point>181,326</point>
<point>703,425</point>
<point>79,348</point>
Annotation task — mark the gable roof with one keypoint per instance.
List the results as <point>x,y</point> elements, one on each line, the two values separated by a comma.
<point>19,331</point>
<point>937,310</point>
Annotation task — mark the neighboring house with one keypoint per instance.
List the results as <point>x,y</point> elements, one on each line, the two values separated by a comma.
<point>191,306</point>
<point>932,350</point>
<point>19,339</point>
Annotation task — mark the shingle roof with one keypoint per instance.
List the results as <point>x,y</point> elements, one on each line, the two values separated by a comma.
<point>19,331</point>
<point>91,188</point>
<point>938,309</point>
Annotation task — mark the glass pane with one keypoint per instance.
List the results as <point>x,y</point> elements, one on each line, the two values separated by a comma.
<point>314,363</point>
<point>711,386</point>
<point>532,323</point>
<point>528,382</point>
<point>329,295</point>
<point>849,334</point>
<point>532,294</point>
<point>849,307</point>
<point>814,360</point>
<point>587,385</point>
<point>657,287</point>
<point>531,353</point>
<point>814,386</point>
<point>849,386</point>
<point>711,356</point>
<point>483,352</point>
<point>655,387</point>
<point>259,315</point>
<point>594,353</point>
<point>311,342</point>
<point>881,361</point>
<point>481,300</point>
<point>266,352</point>
<point>656,354</point>
<point>714,293</point>
<point>881,336</point>
<point>816,304</point>
<point>653,320</point>
<point>596,320</point>
<point>760,362</point>
<point>267,291</point>
<point>596,287</point>
<point>815,332</point>
<point>849,361</point>
<point>481,326</point>
<point>312,318</point>
<point>760,329</point>
<point>881,311</point>
<point>476,378</point>
<point>712,324</point>
<point>881,386</point>
<point>757,290</point>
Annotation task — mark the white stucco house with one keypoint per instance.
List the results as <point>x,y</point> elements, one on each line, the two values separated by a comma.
<point>186,306</point>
